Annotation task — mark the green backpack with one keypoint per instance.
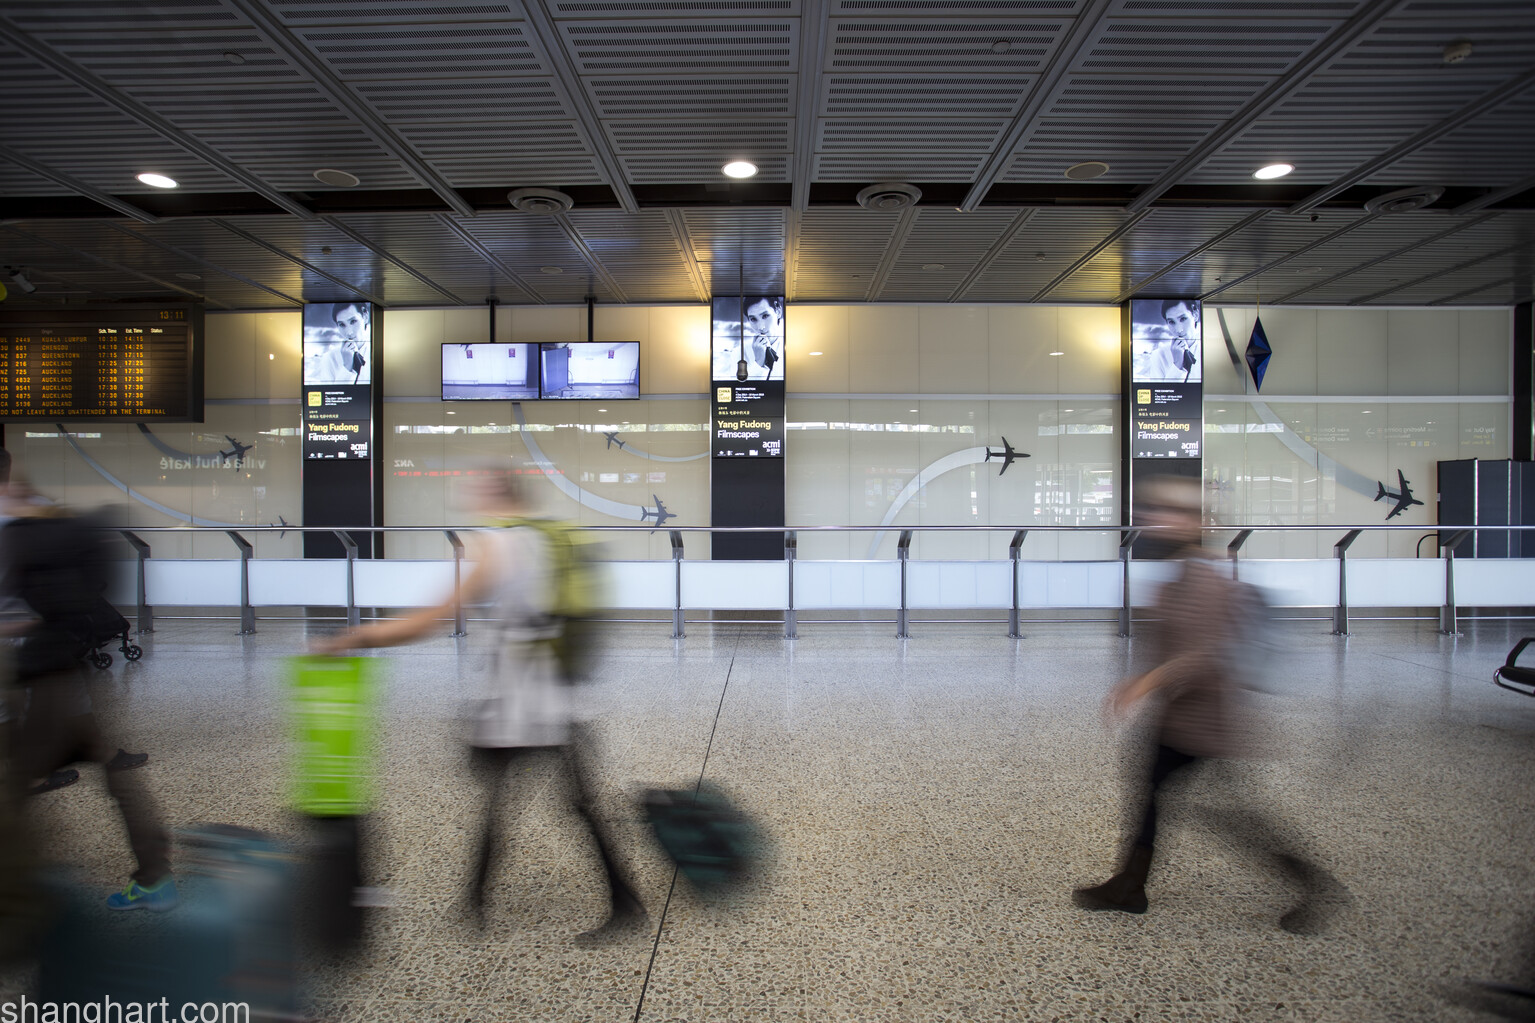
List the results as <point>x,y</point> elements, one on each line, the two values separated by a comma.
<point>575,595</point>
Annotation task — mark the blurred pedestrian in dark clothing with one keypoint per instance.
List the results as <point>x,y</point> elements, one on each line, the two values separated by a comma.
<point>1205,630</point>
<point>527,704</point>
<point>53,564</point>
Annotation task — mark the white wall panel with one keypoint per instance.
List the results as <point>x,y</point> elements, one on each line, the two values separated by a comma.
<point>735,585</point>
<point>638,585</point>
<point>958,584</point>
<point>185,583</point>
<point>1395,582</point>
<point>1495,582</point>
<point>1288,583</point>
<point>277,582</point>
<point>404,583</point>
<point>1070,584</point>
<point>847,584</point>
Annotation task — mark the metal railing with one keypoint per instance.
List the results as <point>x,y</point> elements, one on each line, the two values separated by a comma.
<point>1449,539</point>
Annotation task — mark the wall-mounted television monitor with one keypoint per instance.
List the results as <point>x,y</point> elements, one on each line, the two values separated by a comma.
<point>605,370</point>
<point>489,371</point>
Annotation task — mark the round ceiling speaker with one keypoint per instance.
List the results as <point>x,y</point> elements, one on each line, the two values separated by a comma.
<point>889,196</point>
<point>546,201</point>
<point>336,178</point>
<point>1087,171</point>
<point>1405,200</point>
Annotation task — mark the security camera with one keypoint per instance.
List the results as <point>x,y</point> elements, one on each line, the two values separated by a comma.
<point>20,280</point>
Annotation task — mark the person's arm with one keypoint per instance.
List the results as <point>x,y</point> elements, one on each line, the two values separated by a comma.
<point>487,569</point>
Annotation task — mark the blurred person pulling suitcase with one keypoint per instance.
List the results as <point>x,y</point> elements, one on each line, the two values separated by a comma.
<point>54,564</point>
<point>528,571</point>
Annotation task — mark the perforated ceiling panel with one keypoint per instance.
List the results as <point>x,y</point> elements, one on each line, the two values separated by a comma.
<point>636,104</point>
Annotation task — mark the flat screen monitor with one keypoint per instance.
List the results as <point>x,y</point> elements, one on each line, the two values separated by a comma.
<point>605,370</point>
<point>489,371</point>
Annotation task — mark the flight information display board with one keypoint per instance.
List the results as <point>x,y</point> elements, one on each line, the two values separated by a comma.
<point>103,363</point>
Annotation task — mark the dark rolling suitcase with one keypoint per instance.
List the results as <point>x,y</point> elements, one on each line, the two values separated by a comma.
<point>713,843</point>
<point>229,940</point>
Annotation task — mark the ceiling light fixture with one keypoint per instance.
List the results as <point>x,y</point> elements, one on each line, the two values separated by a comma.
<point>739,169</point>
<point>1087,170</point>
<point>157,180</point>
<point>1272,171</point>
<point>1457,51</point>
<point>336,178</point>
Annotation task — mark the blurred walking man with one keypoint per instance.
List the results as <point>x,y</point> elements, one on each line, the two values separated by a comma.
<point>1203,620</point>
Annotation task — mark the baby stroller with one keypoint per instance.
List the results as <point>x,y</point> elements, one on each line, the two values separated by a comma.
<point>106,625</point>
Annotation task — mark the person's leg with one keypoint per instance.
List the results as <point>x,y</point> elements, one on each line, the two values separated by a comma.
<point>624,902</point>
<point>1126,890</point>
<point>147,835</point>
<point>491,765</point>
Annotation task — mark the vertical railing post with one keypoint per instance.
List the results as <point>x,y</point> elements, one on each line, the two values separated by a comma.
<point>791,617</point>
<point>903,554</point>
<point>1340,613</point>
<point>1449,622</point>
<point>247,613</point>
<point>353,618</point>
<point>1236,545</point>
<point>146,613</point>
<point>677,630</point>
<point>1127,540</point>
<point>1014,553</point>
<point>459,624</point>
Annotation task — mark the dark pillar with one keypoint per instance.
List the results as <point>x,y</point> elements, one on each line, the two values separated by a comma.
<point>1523,442</point>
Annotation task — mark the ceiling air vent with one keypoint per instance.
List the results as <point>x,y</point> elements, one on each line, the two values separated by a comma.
<point>540,200</point>
<point>1405,200</point>
<point>889,196</point>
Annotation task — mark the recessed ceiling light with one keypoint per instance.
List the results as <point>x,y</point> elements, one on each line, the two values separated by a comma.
<point>739,169</point>
<point>1057,353</point>
<point>189,277</point>
<point>1087,170</point>
<point>932,266</point>
<point>551,270</point>
<point>157,180</point>
<point>336,178</point>
<point>1272,171</point>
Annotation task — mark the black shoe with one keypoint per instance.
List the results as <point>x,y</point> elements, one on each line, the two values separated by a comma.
<point>1124,892</point>
<point>57,780</point>
<point>125,761</point>
<point>628,920</point>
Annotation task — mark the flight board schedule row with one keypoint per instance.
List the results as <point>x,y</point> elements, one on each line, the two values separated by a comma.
<point>95,372</point>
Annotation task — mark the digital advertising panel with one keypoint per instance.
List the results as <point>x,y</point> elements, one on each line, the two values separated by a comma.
<point>748,363</point>
<point>338,378</point>
<point>1166,374</point>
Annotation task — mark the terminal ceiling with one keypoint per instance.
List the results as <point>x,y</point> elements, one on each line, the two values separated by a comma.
<point>632,106</point>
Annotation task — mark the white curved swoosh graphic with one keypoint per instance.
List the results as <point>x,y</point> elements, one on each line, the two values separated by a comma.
<point>632,512</point>
<point>180,516</point>
<point>956,460</point>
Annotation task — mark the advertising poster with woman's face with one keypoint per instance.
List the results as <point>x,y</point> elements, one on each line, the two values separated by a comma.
<point>338,343</point>
<point>1166,343</point>
<point>750,329</point>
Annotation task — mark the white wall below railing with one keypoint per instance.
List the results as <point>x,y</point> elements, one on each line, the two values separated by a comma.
<point>836,585</point>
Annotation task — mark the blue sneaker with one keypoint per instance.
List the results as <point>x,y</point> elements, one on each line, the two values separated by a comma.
<point>156,898</point>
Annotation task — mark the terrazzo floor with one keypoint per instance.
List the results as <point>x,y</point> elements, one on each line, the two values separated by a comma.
<point>931,803</point>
